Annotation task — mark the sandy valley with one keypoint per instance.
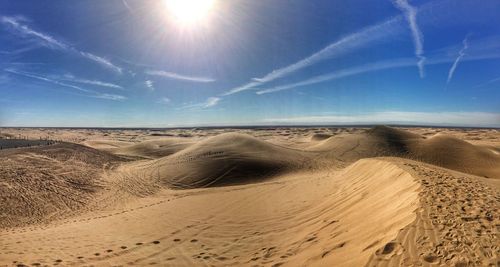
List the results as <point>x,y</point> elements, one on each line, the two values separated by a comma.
<point>378,196</point>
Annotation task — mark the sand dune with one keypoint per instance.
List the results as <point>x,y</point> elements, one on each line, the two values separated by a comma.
<point>43,182</point>
<point>320,136</point>
<point>304,197</point>
<point>156,148</point>
<point>440,150</point>
<point>325,222</point>
<point>105,144</point>
<point>221,160</point>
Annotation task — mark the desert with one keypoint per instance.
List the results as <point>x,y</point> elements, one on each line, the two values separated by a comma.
<point>250,133</point>
<point>270,196</point>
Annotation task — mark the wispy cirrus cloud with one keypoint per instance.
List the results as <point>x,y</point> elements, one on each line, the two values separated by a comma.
<point>102,61</point>
<point>44,39</point>
<point>98,83</point>
<point>247,86</point>
<point>211,101</point>
<point>149,84</point>
<point>418,38</point>
<point>488,82</point>
<point>177,76</point>
<point>71,78</point>
<point>46,79</point>
<point>365,37</point>
<point>486,50</point>
<point>208,103</point>
<point>87,92</point>
<point>398,117</point>
<point>109,97</point>
<point>20,50</point>
<point>126,5</point>
<point>461,54</point>
<point>164,100</point>
<point>342,46</point>
<point>377,66</point>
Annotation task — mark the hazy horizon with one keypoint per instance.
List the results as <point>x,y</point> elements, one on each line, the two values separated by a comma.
<point>129,63</point>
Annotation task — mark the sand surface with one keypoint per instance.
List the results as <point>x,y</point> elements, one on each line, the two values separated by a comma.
<point>251,197</point>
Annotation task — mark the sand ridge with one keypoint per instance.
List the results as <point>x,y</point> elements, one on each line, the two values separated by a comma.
<point>439,149</point>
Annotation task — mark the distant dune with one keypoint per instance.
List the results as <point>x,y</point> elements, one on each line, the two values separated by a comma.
<point>320,136</point>
<point>439,149</point>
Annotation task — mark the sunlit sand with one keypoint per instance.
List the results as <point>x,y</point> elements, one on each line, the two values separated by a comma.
<point>251,197</point>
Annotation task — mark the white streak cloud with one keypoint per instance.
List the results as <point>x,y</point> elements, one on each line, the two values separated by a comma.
<point>176,76</point>
<point>211,101</point>
<point>399,117</point>
<point>71,78</point>
<point>461,54</point>
<point>244,87</point>
<point>164,100</point>
<point>418,38</point>
<point>372,67</point>
<point>102,61</point>
<point>344,45</point>
<point>149,84</point>
<point>377,66</point>
<point>88,93</point>
<point>125,3</point>
<point>46,79</point>
<point>52,43</point>
<point>110,97</point>
<point>208,103</point>
<point>44,39</point>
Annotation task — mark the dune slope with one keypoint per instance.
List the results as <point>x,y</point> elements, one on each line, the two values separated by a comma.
<point>153,148</point>
<point>456,223</point>
<point>224,159</point>
<point>440,150</point>
<point>43,182</point>
<point>317,218</point>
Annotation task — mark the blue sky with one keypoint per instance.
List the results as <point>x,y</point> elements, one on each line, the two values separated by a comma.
<point>131,63</point>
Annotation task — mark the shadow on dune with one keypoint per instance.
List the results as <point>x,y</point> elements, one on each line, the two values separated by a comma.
<point>226,159</point>
<point>441,150</point>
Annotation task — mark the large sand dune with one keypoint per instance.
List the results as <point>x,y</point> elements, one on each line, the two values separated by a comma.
<point>439,149</point>
<point>221,160</point>
<point>39,183</point>
<point>295,197</point>
<point>153,148</point>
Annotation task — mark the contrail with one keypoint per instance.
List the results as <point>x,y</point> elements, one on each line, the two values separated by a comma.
<point>418,39</point>
<point>461,54</point>
<point>49,41</point>
<point>342,46</point>
<point>177,76</point>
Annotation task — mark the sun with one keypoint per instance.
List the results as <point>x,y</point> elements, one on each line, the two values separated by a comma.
<point>189,12</point>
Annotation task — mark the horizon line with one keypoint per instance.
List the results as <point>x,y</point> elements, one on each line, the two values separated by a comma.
<point>237,126</point>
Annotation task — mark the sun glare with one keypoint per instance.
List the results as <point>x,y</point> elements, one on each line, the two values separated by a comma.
<point>188,12</point>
